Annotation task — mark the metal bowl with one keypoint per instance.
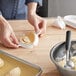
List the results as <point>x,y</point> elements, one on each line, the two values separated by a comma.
<point>59,51</point>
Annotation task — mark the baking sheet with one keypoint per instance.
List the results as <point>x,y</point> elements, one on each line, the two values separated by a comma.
<point>27,69</point>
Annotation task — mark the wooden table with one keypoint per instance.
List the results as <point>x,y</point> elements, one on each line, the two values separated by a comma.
<point>39,55</point>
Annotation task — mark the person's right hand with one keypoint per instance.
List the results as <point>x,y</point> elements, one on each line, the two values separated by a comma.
<point>7,36</point>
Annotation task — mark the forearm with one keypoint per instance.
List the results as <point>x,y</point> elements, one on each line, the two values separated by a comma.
<point>32,8</point>
<point>3,22</point>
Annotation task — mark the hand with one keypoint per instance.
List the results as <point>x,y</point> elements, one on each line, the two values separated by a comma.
<point>7,36</point>
<point>38,23</point>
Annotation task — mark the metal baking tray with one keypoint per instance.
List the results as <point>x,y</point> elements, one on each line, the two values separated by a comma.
<point>27,68</point>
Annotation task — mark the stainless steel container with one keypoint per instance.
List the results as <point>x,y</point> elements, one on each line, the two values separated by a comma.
<point>27,68</point>
<point>59,51</point>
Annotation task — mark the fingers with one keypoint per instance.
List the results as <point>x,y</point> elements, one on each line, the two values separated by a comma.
<point>42,27</point>
<point>8,43</point>
<point>37,30</point>
<point>14,39</point>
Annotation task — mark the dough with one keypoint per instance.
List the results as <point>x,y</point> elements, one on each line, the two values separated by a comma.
<point>1,62</point>
<point>74,46</point>
<point>63,62</point>
<point>14,72</point>
<point>25,39</point>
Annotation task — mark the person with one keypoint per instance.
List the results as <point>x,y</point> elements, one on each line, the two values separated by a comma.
<point>19,9</point>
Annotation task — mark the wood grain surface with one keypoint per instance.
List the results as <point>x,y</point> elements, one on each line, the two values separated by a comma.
<point>40,54</point>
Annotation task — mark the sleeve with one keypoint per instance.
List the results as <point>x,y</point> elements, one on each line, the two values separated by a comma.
<point>0,13</point>
<point>38,1</point>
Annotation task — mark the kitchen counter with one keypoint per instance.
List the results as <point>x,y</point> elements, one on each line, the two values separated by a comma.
<point>40,54</point>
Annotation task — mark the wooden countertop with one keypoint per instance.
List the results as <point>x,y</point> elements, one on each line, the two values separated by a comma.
<point>39,55</point>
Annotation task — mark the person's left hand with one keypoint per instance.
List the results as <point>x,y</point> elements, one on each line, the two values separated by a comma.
<point>38,22</point>
<point>7,35</point>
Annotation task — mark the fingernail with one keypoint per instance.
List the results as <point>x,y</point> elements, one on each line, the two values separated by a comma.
<point>38,32</point>
<point>17,46</point>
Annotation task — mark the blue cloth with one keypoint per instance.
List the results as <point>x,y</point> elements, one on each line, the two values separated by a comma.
<point>22,10</point>
<point>15,9</point>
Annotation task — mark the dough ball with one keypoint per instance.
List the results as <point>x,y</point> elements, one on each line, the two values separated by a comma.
<point>1,62</point>
<point>14,72</point>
